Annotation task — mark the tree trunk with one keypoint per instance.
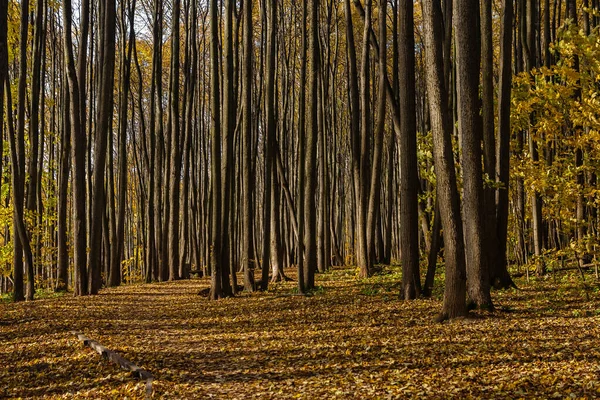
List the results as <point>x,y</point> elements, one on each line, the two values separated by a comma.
<point>469,124</point>
<point>312,135</point>
<point>103,126</point>
<point>499,269</point>
<point>247,220</point>
<point>78,145</point>
<point>448,196</point>
<point>175,167</point>
<point>216,290</point>
<point>409,180</point>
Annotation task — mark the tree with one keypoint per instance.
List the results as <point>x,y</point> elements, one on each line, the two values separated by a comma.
<point>78,140</point>
<point>104,120</point>
<point>216,288</point>
<point>448,196</point>
<point>499,268</point>
<point>227,169</point>
<point>409,181</point>
<point>247,224</point>
<point>175,167</point>
<point>302,153</point>
<point>310,168</point>
<point>34,199</point>
<point>469,125</point>
<point>270,141</point>
<point>114,278</point>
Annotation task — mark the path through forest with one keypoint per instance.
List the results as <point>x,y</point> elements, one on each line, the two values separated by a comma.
<point>350,340</point>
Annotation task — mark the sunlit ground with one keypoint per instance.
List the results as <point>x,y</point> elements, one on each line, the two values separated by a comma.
<point>351,339</point>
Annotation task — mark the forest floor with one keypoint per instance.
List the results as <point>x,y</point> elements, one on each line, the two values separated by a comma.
<point>350,339</point>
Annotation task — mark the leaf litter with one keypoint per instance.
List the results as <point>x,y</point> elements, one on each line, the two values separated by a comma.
<point>351,339</point>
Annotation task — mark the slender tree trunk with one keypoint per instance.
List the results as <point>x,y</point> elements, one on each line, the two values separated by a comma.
<point>117,256</point>
<point>499,269</point>
<point>175,167</point>
<point>247,220</point>
<point>17,151</point>
<point>365,134</point>
<point>18,290</point>
<point>409,180</point>
<point>270,140</point>
<point>489,142</point>
<point>33,195</point>
<point>302,152</point>
<point>103,126</point>
<point>448,196</point>
<point>63,192</point>
<point>78,145</point>
<point>467,54</point>
<point>227,167</point>
<point>312,135</point>
<point>216,290</point>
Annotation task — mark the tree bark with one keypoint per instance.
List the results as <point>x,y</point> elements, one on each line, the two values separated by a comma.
<point>216,290</point>
<point>409,180</point>
<point>499,269</point>
<point>103,126</point>
<point>469,125</point>
<point>448,196</point>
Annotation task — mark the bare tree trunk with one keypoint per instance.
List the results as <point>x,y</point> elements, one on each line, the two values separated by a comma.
<point>247,224</point>
<point>78,145</point>
<point>17,155</point>
<point>489,142</point>
<point>363,254</point>
<point>409,180</point>
<point>448,196</point>
<point>117,255</point>
<point>227,167</point>
<point>312,135</point>
<point>302,152</point>
<point>175,167</point>
<point>63,192</point>
<point>103,126</point>
<point>499,269</point>
<point>270,141</point>
<point>18,290</point>
<point>34,185</point>
<point>216,290</point>
<point>467,50</point>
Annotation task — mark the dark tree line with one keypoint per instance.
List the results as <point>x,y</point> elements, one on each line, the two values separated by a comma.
<point>157,140</point>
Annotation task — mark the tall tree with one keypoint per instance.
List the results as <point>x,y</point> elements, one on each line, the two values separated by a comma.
<point>499,268</point>
<point>365,261</point>
<point>409,181</point>
<point>78,144</point>
<point>361,242</point>
<point>302,151</point>
<point>175,167</point>
<point>114,278</point>
<point>447,190</point>
<point>489,142</point>
<point>216,290</point>
<point>18,290</point>
<point>312,135</point>
<point>34,199</point>
<point>270,140</point>
<point>63,193</point>
<point>103,126</point>
<point>469,125</point>
<point>247,223</point>
<point>17,152</point>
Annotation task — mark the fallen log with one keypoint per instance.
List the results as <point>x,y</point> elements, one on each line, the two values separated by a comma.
<point>117,359</point>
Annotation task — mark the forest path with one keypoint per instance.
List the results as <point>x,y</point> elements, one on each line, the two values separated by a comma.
<point>349,340</point>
